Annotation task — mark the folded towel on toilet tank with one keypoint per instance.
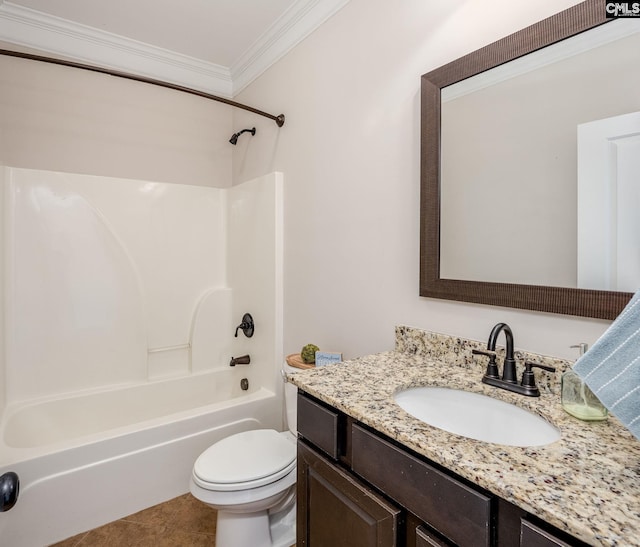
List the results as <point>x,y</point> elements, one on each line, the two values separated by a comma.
<point>611,367</point>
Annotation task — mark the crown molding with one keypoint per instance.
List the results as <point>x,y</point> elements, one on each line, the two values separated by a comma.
<point>298,22</point>
<point>63,38</point>
<point>60,37</point>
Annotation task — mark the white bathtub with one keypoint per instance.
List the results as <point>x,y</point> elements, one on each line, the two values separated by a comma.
<point>86,460</point>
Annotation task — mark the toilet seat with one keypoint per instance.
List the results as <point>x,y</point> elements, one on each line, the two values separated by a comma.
<point>245,460</point>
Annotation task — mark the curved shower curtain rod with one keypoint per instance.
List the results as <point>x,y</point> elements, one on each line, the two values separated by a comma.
<point>278,119</point>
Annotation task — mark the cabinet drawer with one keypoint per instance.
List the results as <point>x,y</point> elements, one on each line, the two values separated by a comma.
<point>319,425</point>
<point>533,536</point>
<point>455,510</point>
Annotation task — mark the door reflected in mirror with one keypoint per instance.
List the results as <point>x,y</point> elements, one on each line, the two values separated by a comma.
<point>523,198</point>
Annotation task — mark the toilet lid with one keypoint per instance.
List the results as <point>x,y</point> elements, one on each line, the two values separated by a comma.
<point>245,460</point>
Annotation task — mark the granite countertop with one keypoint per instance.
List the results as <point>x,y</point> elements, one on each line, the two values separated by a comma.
<point>587,483</point>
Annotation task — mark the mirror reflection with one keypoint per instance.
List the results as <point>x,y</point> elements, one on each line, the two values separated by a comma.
<point>540,167</point>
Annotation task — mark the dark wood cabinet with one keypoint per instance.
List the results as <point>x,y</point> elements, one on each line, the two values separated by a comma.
<point>357,488</point>
<point>337,510</point>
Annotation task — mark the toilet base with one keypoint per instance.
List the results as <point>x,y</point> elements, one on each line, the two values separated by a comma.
<point>243,530</point>
<point>258,529</point>
<point>283,527</point>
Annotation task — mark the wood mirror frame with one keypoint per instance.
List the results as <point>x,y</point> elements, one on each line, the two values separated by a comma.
<point>571,301</point>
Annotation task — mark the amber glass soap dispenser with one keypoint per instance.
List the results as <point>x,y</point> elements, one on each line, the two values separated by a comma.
<point>577,399</point>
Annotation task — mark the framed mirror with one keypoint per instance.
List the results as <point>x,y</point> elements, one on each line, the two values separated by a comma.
<point>508,125</point>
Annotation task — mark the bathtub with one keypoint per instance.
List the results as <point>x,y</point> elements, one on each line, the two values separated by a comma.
<point>82,464</point>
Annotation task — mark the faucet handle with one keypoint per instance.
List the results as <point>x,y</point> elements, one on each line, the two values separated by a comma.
<point>528,380</point>
<point>247,326</point>
<point>492,367</point>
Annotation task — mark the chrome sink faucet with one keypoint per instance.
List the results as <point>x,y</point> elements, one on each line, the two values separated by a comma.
<point>508,381</point>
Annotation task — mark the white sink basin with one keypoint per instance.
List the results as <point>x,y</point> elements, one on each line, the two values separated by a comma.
<point>476,416</point>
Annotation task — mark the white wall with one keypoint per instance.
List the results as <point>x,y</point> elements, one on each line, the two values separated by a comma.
<point>350,153</point>
<point>64,119</point>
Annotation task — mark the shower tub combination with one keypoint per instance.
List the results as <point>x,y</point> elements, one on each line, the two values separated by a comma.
<point>136,450</point>
<point>116,372</point>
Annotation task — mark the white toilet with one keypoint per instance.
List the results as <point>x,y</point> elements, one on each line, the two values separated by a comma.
<point>250,478</point>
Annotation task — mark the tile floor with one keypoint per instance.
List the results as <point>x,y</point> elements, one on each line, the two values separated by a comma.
<point>180,522</point>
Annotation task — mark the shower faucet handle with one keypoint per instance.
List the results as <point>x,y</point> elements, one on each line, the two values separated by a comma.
<point>247,326</point>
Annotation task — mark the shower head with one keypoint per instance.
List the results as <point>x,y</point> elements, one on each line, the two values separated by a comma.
<point>234,138</point>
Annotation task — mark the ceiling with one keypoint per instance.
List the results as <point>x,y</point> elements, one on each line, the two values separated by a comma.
<point>218,46</point>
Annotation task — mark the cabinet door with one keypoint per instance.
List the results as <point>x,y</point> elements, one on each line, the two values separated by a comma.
<point>336,510</point>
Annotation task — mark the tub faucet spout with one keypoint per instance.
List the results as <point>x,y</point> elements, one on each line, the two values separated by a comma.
<point>242,360</point>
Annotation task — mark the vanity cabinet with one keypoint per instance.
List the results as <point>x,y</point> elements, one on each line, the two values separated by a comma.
<point>357,488</point>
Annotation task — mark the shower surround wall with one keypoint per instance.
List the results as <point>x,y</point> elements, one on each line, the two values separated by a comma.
<point>121,300</point>
<point>112,282</point>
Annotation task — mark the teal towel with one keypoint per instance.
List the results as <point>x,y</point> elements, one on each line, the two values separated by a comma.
<point>611,368</point>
